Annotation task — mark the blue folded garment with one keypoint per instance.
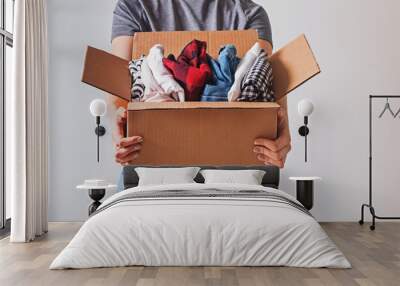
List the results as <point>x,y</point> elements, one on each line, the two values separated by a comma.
<point>223,74</point>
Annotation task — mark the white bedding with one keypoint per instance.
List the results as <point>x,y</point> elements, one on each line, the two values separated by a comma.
<point>200,232</point>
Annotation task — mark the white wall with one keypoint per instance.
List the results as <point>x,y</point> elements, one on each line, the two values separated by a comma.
<point>357,45</point>
<point>72,26</point>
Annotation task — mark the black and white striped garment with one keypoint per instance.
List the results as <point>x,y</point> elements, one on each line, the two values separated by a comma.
<point>257,83</point>
<point>135,68</point>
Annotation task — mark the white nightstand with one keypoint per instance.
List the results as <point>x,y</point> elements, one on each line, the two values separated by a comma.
<point>97,190</point>
<point>305,190</point>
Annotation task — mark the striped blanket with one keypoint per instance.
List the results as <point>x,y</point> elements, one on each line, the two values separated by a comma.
<point>205,194</point>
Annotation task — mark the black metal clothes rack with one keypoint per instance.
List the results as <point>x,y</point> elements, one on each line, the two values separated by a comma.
<point>370,204</point>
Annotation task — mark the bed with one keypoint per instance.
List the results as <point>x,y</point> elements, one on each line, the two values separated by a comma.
<point>199,224</point>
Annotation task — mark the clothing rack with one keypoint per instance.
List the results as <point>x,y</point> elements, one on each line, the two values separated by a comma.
<point>370,204</point>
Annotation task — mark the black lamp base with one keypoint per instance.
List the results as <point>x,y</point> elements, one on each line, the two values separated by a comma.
<point>304,131</point>
<point>100,131</point>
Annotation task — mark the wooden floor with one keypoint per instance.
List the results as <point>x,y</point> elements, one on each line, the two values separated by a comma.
<point>375,257</point>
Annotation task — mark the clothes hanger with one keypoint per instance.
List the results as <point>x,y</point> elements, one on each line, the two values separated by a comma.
<point>397,113</point>
<point>387,107</point>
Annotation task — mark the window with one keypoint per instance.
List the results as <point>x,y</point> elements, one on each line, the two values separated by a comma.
<point>9,16</point>
<point>6,62</point>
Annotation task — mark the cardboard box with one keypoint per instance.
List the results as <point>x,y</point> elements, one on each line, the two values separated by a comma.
<point>200,133</point>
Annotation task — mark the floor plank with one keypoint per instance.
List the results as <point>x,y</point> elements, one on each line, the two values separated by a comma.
<point>375,257</point>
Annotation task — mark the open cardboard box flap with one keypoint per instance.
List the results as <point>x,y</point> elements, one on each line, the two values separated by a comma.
<point>200,133</point>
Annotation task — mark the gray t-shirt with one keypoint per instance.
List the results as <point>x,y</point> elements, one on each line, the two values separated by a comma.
<point>132,16</point>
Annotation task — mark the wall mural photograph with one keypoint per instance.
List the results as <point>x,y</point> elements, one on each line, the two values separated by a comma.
<point>207,142</point>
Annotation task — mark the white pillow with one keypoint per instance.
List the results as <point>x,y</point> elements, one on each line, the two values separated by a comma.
<point>166,176</point>
<point>247,177</point>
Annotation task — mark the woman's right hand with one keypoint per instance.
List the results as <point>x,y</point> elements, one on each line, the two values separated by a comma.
<point>127,148</point>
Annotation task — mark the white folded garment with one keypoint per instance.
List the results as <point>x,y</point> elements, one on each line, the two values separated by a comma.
<point>162,76</point>
<point>244,66</point>
<point>153,92</point>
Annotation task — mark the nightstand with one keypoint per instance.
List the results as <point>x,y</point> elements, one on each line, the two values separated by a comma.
<point>305,190</point>
<point>97,190</point>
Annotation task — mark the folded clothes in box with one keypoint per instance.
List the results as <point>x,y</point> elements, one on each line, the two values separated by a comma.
<point>196,76</point>
<point>200,133</point>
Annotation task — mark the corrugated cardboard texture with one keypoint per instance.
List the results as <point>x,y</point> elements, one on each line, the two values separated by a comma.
<point>292,65</point>
<point>201,133</point>
<point>174,42</point>
<point>199,105</point>
<point>107,72</point>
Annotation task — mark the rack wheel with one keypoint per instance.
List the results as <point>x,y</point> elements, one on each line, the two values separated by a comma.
<point>372,227</point>
<point>361,222</point>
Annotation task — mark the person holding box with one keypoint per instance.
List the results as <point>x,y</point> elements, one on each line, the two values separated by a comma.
<point>131,16</point>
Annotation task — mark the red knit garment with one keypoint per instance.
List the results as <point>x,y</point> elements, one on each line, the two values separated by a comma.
<point>191,69</point>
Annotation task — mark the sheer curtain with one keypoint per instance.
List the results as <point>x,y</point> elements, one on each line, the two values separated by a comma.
<point>27,117</point>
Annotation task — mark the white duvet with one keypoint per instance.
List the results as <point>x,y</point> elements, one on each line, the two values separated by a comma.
<point>200,232</point>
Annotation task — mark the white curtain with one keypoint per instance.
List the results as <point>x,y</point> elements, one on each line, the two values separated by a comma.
<point>27,117</point>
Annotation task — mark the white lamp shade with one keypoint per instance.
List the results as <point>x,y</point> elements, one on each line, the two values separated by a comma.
<point>305,107</point>
<point>98,107</point>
